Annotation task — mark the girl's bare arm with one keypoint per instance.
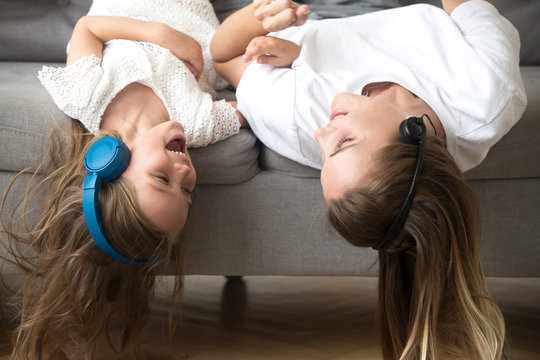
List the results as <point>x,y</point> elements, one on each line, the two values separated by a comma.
<point>91,32</point>
<point>236,32</point>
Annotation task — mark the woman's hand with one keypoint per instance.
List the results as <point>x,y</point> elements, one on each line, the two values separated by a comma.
<point>181,45</point>
<point>272,51</point>
<point>277,15</point>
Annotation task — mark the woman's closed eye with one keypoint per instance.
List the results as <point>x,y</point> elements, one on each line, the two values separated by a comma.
<point>339,145</point>
<point>342,141</point>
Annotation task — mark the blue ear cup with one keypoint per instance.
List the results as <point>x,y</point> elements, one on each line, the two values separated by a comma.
<point>105,160</point>
<point>108,158</point>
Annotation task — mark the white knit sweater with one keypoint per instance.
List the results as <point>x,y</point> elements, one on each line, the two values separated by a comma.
<point>85,88</point>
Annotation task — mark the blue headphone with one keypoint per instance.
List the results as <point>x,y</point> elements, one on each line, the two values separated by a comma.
<point>105,160</point>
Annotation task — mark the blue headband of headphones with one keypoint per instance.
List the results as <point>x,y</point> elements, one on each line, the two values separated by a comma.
<point>105,160</point>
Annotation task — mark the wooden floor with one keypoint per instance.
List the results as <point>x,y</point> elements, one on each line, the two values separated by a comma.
<point>289,318</point>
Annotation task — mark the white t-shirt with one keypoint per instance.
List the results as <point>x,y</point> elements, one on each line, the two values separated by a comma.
<point>84,89</point>
<point>464,66</point>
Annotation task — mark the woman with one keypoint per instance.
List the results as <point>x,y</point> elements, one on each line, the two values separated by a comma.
<point>416,96</point>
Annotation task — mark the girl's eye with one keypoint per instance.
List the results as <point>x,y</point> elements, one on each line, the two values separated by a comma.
<point>163,179</point>
<point>342,141</point>
<point>187,191</point>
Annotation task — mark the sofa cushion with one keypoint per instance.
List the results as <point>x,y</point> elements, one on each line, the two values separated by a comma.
<point>38,30</point>
<point>231,161</point>
<point>516,154</point>
<point>274,162</point>
<point>29,113</point>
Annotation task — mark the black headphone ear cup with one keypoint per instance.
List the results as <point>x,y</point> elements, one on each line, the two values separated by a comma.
<point>412,130</point>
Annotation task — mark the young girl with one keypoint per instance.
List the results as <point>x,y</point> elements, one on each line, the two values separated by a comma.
<point>140,73</point>
<point>416,96</point>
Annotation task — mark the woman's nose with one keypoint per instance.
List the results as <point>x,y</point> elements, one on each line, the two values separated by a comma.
<point>321,133</point>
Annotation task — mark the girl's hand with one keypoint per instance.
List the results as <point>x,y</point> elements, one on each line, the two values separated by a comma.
<point>277,15</point>
<point>183,46</point>
<point>91,32</point>
<point>272,51</point>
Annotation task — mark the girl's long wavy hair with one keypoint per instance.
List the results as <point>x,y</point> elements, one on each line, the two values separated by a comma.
<point>433,301</point>
<point>73,291</point>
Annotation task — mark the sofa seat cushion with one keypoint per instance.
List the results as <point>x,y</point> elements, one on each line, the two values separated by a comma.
<point>516,154</point>
<point>29,113</point>
<point>274,162</point>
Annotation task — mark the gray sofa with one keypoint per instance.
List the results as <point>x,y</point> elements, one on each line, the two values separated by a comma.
<point>257,212</point>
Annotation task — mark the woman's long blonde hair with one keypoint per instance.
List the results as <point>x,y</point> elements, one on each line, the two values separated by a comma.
<point>72,289</point>
<point>433,301</point>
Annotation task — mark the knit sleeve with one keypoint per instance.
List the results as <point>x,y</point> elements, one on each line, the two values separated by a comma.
<point>211,122</point>
<point>226,121</point>
<point>72,87</point>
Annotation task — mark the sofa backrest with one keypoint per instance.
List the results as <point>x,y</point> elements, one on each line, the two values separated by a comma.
<point>38,30</point>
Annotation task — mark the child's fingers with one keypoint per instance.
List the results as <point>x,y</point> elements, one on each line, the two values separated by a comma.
<point>271,51</point>
<point>270,60</point>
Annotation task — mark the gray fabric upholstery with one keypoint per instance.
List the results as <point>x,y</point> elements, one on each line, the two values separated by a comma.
<point>256,212</point>
<point>516,155</point>
<point>38,29</point>
<point>271,224</point>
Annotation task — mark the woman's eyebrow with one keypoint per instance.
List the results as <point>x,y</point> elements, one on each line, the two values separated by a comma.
<point>341,149</point>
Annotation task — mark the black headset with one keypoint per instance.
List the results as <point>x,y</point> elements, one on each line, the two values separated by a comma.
<point>412,131</point>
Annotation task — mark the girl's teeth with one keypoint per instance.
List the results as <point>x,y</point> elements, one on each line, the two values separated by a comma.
<point>178,152</point>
